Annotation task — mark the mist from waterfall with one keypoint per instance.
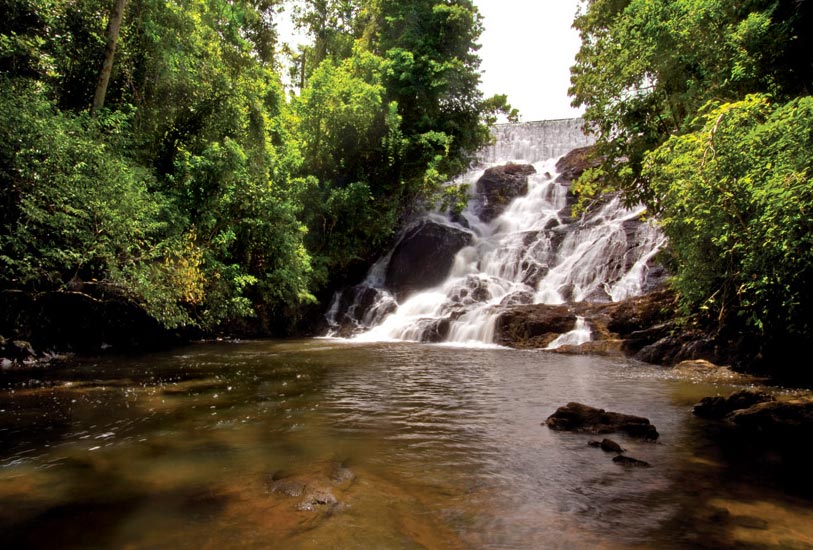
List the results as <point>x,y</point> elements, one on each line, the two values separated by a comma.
<point>533,252</point>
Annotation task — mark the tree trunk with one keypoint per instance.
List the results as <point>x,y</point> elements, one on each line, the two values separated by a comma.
<point>112,36</point>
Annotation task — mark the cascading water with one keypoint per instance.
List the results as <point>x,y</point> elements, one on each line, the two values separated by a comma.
<point>448,279</point>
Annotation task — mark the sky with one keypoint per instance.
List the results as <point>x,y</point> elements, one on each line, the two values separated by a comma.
<point>527,49</point>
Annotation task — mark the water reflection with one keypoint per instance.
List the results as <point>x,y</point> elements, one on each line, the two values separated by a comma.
<point>320,443</point>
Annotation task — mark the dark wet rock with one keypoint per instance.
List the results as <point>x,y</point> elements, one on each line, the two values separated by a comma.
<point>518,298</point>
<point>423,257</point>
<point>576,417</point>
<point>635,341</point>
<point>434,330</point>
<point>533,273</point>
<point>785,421</point>
<point>566,292</point>
<point>647,326</point>
<point>642,313</point>
<point>678,347</point>
<point>607,445</point>
<point>643,327</point>
<point>605,348</point>
<point>610,446</point>
<point>498,186</point>
<point>354,305</point>
<point>717,407</point>
<point>630,462</point>
<point>573,164</point>
<point>620,328</point>
<point>599,294</point>
<point>533,326</point>
<point>473,290</point>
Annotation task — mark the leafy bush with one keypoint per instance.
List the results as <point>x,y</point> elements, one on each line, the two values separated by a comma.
<point>79,215</point>
<point>735,198</point>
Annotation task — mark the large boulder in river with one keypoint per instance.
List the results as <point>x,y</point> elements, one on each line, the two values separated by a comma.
<point>499,185</point>
<point>423,257</point>
<point>533,326</point>
<point>576,417</point>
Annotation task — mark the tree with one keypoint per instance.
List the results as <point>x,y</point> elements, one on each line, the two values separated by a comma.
<point>645,69</point>
<point>433,76</point>
<point>389,111</point>
<point>112,37</point>
<point>179,196</point>
<point>735,198</point>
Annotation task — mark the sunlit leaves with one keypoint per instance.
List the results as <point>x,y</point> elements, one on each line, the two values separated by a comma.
<point>736,200</point>
<point>645,68</point>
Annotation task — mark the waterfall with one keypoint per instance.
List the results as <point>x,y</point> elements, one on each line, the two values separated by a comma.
<point>448,278</point>
<point>534,141</point>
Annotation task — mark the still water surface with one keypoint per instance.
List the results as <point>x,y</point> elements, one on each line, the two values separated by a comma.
<point>325,444</point>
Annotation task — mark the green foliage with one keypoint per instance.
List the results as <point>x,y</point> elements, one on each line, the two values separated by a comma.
<point>735,199</point>
<point>200,191</point>
<point>77,214</point>
<point>333,26</point>
<point>433,75</point>
<point>351,144</point>
<point>646,68</point>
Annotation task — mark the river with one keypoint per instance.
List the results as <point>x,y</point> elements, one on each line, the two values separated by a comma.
<point>329,444</point>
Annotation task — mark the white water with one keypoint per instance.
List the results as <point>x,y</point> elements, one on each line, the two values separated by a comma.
<point>579,335</point>
<point>532,253</point>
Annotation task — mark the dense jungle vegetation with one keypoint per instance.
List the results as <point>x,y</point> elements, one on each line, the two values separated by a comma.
<point>702,110</point>
<point>149,151</point>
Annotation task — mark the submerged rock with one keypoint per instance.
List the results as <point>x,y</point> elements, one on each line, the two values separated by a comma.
<point>340,475</point>
<point>607,445</point>
<point>631,462</point>
<point>312,491</point>
<point>317,497</point>
<point>287,487</point>
<point>576,417</point>
<point>718,407</point>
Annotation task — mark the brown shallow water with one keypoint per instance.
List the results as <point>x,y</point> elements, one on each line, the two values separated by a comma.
<point>324,444</point>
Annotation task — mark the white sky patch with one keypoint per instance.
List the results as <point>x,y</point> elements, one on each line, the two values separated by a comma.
<point>527,49</point>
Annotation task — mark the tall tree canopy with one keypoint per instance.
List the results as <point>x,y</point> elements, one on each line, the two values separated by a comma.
<point>201,190</point>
